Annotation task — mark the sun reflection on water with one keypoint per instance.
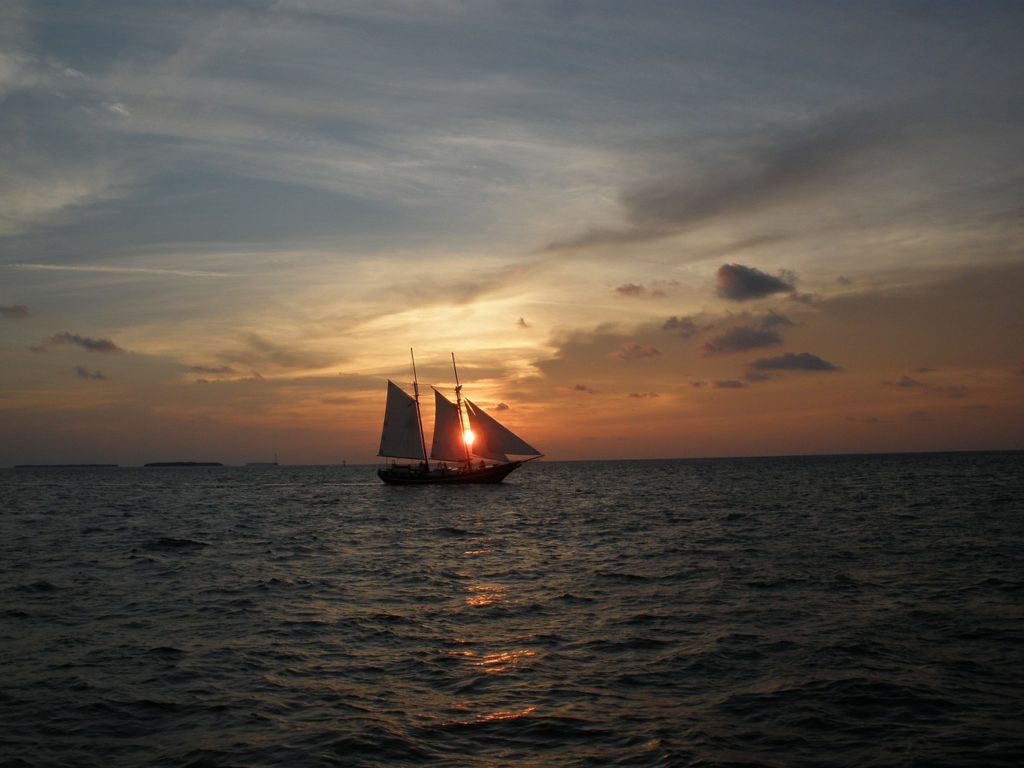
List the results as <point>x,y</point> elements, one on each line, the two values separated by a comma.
<point>494,663</point>
<point>487,594</point>
<point>505,715</point>
<point>495,716</point>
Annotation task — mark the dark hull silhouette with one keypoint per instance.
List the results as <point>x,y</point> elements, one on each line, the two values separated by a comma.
<point>408,474</point>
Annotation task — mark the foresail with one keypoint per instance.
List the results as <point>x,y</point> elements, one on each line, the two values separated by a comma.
<point>400,436</point>
<point>492,440</point>
<point>448,444</point>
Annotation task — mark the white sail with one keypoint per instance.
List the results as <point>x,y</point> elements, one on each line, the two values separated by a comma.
<point>448,444</point>
<point>492,440</point>
<point>401,436</point>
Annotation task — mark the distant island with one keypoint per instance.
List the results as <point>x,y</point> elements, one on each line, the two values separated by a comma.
<point>60,466</point>
<point>183,464</point>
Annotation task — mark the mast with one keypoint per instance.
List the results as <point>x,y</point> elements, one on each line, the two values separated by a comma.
<point>458,405</point>
<point>419,418</point>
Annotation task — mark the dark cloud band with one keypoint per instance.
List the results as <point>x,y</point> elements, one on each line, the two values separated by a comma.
<point>85,342</point>
<point>793,361</point>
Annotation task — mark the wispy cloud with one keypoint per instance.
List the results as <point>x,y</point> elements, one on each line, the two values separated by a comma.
<point>904,382</point>
<point>630,289</point>
<point>85,342</point>
<point>156,271</point>
<point>790,361</point>
<point>85,373</point>
<point>213,370</point>
<point>259,353</point>
<point>636,291</point>
<point>683,326</point>
<point>15,311</point>
<point>775,320</point>
<point>634,350</point>
<point>907,382</point>
<point>794,166</point>
<point>740,339</point>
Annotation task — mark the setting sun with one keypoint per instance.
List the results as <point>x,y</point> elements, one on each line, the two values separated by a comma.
<point>468,437</point>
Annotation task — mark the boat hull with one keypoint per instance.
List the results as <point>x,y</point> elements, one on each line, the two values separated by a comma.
<point>398,474</point>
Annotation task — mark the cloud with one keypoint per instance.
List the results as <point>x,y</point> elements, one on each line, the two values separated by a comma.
<point>85,342</point>
<point>739,283</point>
<point>635,291</point>
<point>218,370</point>
<point>584,388</point>
<point>684,326</point>
<point>633,350</point>
<point>791,167</point>
<point>120,270</point>
<point>630,289</point>
<point>729,384</point>
<point>258,352</point>
<point>904,383</point>
<point>85,373</point>
<point>501,407</point>
<point>15,311</point>
<point>643,395</point>
<point>802,298</point>
<point>865,419</point>
<point>775,320</point>
<point>802,361</point>
<point>739,339</point>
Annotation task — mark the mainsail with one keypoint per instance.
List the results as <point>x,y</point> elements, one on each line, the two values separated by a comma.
<point>492,440</point>
<point>401,435</point>
<point>448,444</point>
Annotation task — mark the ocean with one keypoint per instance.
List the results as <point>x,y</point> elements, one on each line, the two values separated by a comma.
<point>811,611</point>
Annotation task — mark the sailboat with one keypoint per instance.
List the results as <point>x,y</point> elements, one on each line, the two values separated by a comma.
<point>468,446</point>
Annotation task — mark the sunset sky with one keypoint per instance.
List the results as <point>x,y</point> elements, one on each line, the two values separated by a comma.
<point>646,229</point>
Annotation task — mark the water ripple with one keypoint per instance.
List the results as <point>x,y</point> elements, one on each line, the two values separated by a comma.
<point>781,612</point>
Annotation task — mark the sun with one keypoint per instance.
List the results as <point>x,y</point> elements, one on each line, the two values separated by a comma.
<point>468,437</point>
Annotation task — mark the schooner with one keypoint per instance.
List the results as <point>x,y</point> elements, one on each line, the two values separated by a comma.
<point>468,446</point>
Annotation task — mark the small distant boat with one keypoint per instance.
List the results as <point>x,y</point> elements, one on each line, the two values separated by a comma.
<point>468,445</point>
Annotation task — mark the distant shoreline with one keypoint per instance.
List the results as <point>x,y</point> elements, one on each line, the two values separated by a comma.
<point>546,460</point>
<point>62,466</point>
<point>183,464</point>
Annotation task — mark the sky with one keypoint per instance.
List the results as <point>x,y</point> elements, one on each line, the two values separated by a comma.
<point>646,229</point>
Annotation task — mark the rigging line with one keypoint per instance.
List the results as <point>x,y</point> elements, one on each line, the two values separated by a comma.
<point>458,405</point>
<point>419,417</point>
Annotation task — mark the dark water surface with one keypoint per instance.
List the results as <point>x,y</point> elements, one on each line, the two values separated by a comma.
<point>845,611</point>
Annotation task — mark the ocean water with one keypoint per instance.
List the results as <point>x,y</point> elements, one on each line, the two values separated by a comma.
<point>833,611</point>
